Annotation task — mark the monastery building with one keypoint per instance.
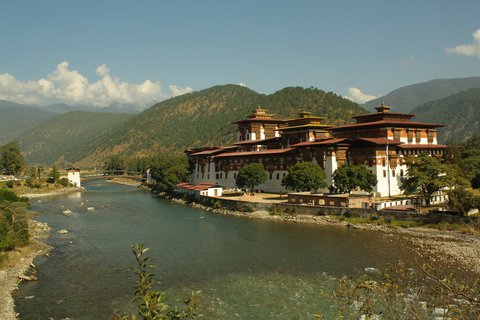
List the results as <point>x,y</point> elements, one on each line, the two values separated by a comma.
<point>379,140</point>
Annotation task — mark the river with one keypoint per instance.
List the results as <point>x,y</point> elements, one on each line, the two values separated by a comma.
<point>245,268</point>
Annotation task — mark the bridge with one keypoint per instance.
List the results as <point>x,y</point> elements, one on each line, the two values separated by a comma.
<point>105,175</point>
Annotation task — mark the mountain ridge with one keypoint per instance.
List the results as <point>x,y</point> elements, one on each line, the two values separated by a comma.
<point>407,98</point>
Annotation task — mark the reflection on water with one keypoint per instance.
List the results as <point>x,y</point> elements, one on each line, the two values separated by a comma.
<point>247,269</point>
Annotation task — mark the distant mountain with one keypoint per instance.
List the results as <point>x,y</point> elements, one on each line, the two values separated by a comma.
<point>408,98</point>
<point>460,112</point>
<point>203,117</point>
<point>65,137</point>
<point>17,118</point>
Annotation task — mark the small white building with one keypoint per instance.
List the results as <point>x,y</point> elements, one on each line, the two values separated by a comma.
<point>202,189</point>
<point>73,176</point>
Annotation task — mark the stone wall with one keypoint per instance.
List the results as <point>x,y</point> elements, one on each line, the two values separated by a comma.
<point>244,206</point>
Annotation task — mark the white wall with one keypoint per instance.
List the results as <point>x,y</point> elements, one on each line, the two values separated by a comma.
<point>74,178</point>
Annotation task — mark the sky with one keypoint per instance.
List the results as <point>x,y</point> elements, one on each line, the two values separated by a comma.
<point>104,53</point>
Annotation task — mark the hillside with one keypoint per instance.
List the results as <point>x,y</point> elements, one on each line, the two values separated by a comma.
<point>65,138</point>
<point>460,112</point>
<point>203,117</point>
<point>408,98</point>
<point>17,118</point>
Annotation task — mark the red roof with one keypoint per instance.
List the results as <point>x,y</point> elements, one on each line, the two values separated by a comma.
<point>256,141</point>
<point>212,151</point>
<point>389,123</point>
<point>200,187</point>
<point>254,153</point>
<point>380,141</point>
<point>384,114</point>
<point>422,146</point>
<point>260,120</point>
<point>324,142</point>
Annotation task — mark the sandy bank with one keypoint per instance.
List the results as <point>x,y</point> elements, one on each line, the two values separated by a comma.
<point>51,193</point>
<point>125,181</point>
<point>20,264</point>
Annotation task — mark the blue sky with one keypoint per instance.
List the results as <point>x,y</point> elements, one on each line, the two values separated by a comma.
<point>102,52</point>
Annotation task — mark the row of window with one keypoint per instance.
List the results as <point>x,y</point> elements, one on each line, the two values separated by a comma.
<point>400,174</point>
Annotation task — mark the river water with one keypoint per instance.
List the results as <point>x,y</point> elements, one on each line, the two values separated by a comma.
<point>246,268</point>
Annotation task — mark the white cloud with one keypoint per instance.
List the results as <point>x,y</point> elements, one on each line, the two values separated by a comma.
<point>467,49</point>
<point>178,91</point>
<point>243,84</point>
<point>356,95</point>
<point>71,87</point>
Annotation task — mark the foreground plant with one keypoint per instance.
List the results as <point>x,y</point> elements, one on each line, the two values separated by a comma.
<point>405,293</point>
<point>152,303</point>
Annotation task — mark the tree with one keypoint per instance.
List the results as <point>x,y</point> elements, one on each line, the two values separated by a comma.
<point>425,174</point>
<point>168,172</point>
<point>251,175</point>
<point>11,160</point>
<point>476,181</point>
<point>54,175</point>
<point>462,200</point>
<point>349,177</point>
<point>304,176</point>
<point>115,165</point>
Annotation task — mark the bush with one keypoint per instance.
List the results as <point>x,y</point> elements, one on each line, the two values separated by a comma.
<point>13,228</point>
<point>64,182</point>
<point>10,184</point>
<point>10,196</point>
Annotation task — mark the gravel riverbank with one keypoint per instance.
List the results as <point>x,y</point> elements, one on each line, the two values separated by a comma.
<point>20,266</point>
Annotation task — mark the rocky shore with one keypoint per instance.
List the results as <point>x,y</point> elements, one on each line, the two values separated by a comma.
<point>446,247</point>
<point>20,267</point>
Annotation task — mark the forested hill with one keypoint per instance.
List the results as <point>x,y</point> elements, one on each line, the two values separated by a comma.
<point>460,112</point>
<point>408,98</point>
<point>66,137</point>
<point>203,117</point>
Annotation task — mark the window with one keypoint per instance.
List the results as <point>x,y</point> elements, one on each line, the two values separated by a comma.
<point>393,173</point>
<point>234,176</point>
<point>401,172</point>
<point>384,173</point>
<point>278,176</point>
<point>418,136</point>
<point>271,176</point>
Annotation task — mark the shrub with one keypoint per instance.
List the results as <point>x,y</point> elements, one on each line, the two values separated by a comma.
<point>10,184</point>
<point>153,304</point>
<point>64,182</point>
<point>13,228</point>
<point>10,196</point>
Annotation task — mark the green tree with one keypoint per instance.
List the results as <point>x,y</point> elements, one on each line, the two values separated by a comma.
<point>348,178</point>
<point>251,175</point>
<point>304,176</point>
<point>462,200</point>
<point>168,172</point>
<point>54,175</point>
<point>426,175</point>
<point>115,165</point>
<point>11,160</point>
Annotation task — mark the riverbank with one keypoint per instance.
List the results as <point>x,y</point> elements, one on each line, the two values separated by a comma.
<point>439,246</point>
<point>32,195</point>
<point>20,266</point>
<point>125,181</point>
